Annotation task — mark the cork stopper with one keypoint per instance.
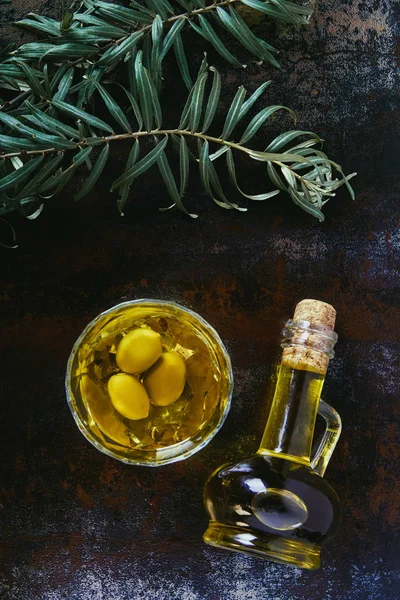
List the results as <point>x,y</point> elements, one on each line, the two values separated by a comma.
<point>309,350</point>
<point>316,312</point>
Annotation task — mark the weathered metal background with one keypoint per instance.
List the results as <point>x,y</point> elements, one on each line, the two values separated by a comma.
<point>76,525</point>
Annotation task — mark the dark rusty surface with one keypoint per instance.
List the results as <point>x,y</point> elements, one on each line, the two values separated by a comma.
<point>76,525</point>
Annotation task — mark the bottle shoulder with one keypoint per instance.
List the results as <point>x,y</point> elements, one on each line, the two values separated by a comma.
<point>271,468</point>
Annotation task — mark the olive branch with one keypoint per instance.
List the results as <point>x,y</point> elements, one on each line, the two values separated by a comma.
<point>50,128</point>
<point>103,33</point>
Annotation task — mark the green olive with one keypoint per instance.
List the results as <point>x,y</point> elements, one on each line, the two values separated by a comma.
<point>128,396</point>
<point>138,350</point>
<point>166,379</point>
<point>102,413</point>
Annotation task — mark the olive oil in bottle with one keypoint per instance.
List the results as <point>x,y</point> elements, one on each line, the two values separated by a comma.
<point>276,504</point>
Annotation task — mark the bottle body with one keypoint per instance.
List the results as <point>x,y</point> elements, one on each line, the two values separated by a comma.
<point>271,507</point>
<point>276,504</point>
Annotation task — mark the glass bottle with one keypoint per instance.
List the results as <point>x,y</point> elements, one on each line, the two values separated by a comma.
<point>276,504</point>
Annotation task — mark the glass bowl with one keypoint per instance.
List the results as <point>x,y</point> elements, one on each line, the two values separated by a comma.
<point>169,433</point>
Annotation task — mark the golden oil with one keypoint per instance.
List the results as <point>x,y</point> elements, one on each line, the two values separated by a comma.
<point>290,428</point>
<point>169,432</point>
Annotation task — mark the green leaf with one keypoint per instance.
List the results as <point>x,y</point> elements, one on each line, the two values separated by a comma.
<point>141,8</point>
<point>213,100</point>
<point>209,178</point>
<point>221,150</point>
<point>42,175</point>
<point>260,119</point>
<point>204,166</point>
<point>277,12</point>
<point>222,199</point>
<point>184,164</point>
<point>186,110</point>
<point>12,84</point>
<point>77,113</point>
<point>48,28</point>
<point>61,178</point>
<point>124,15</point>
<point>208,33</point>
<point>125,189</point>
<point>305,205</point>
<point>182,61</point>
<point>161,6</point>
<point>67,20</point>
<point>80,158</point>
<point>311,196</point>
<point>197,102</point>
<point>39,51</point>
<point>271,156</point>
<point>238,28</point>
<point>52,125</point>
<point>12,69</point>
<point>95,35</point>
<point>232,117</point>
<point>293,10</point>
<point>46,81</point>
<point>142,166</point>
<point>289,136</point>
<point>13,144</point>
<point>155,100</point>
<point>116,53</point>
<point>144,91</point>
<point>113,108</point>
<point>288,175</point>
<point>56,142</point>
<point>275,178</point>
<point>94,174</point>
<point>91,19</point>
<point>64,85</point>
<point>20,175</point>
<point>131,73</point>
<point>146,50</point>
<point>232,172</point>
<point>176,142</point>
<point>135,108</point>
<point>58,181</point>
<point>171,36</point>
<point>86,87</point>
<point>246,106</point>
<point>170,183</point>
<point>69,50</point>
<point>156,36</point>
<point>17,125</point>
<point>33,80</point>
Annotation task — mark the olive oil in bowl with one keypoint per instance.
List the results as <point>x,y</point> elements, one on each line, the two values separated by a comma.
<point>155,401</point>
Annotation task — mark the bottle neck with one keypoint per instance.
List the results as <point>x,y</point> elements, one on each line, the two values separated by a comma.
<point>291,422</point>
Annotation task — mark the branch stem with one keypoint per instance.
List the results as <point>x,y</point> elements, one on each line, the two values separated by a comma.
<point>132,135</point>
<point>155,132</point>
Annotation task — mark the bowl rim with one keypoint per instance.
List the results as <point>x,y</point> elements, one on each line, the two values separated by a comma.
<point>193,448</point>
